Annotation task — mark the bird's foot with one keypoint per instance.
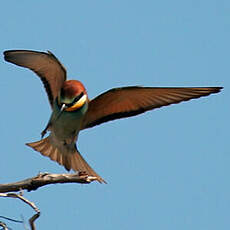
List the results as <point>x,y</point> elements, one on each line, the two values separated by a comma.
<point>82,173</point>
<point>43,133</point>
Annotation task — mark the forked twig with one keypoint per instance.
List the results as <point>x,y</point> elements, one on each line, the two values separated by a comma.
<point>31,204</point>
<point>3,225</point>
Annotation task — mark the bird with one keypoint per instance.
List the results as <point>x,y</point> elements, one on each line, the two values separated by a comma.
<point>73,111</point>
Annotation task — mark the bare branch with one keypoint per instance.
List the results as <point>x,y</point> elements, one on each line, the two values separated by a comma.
<point>31,204</point>
<point>32,220</point>
<point>3,225</point>
<point>10,219</point>
<point>43,179</point>
<point>14,195</point>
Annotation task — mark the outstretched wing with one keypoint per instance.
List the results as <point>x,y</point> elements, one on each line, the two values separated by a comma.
<point>130,101</point>
<point>45,65</point>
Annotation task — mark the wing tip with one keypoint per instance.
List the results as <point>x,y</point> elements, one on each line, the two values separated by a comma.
<point>6,54</point>
<point>217,89</point>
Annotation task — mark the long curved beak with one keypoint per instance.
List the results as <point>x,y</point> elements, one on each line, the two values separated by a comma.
<point>61,110</point>
<point>62,107</point>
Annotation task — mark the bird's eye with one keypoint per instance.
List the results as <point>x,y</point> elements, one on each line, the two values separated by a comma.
<point>78,97</point>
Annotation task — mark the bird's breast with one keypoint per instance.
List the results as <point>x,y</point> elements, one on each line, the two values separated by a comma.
<point>68,124</point>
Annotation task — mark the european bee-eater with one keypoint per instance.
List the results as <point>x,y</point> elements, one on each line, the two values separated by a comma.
<point>72,111</point>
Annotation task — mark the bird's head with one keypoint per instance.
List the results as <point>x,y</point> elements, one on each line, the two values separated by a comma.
<point>72,96</point>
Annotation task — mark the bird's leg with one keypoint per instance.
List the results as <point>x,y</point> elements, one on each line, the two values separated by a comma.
<point>43,133</point>
<point>52,120</point>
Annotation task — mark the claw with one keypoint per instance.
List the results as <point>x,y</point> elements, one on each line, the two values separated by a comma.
<point>43,133</point>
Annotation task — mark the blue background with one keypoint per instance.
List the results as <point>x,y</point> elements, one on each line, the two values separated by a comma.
<point>166,169</point>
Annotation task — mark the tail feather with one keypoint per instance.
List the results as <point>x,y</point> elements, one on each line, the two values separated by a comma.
<point>53,154</point>
<point>69,159</point>
<point>59,159</point>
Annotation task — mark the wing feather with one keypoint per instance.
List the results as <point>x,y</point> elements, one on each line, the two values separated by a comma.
<point>45,65</point>
<point>130,101</point>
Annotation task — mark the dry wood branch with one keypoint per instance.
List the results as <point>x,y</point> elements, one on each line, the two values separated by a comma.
<point>3,225</point>
<point>32,220</point>
<point>10,219</point>
<point>14,195</point>
<point>43,179</point>
<point>31,204</point>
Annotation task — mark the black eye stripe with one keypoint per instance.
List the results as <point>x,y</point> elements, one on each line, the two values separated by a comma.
<point>78,97</point>
<point>75,100</point>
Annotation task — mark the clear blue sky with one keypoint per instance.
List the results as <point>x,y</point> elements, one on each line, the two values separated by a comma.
<point>166,169</point>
